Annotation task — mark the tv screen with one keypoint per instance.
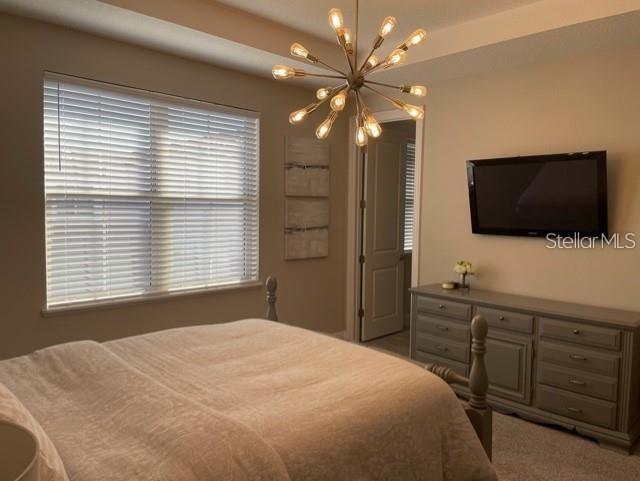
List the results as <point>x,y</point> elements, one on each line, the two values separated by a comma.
<point>563,194</point>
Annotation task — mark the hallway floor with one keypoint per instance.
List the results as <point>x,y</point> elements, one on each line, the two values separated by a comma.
<point>397,343</point>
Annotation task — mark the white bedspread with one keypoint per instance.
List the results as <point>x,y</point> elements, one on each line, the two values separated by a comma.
<point>109,422</point>
<point>246,400</point>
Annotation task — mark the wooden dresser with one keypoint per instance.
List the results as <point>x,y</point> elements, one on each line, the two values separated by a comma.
<point>569,364</point>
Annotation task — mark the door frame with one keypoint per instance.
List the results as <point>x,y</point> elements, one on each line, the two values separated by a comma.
<point>354,218</point>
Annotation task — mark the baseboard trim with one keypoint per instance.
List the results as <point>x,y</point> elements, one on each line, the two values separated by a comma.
<point>340,334</point>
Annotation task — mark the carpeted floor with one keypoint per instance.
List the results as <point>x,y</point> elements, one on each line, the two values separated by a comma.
<point>524,451</point>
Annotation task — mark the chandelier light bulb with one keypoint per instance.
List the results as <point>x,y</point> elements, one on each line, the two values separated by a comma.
<point>396,57</point>
<point>297,116</point>
<point>281,72</point>
<point>415,38</point>
<point>414,111</point>
<point>298,50</point>
<point>348,39</point>
<point>387,26</point>
<point>323,130</point>
<point>336,20</point>
<point>371,62</point>
<point>338,101</point>
<point>371,125</point>
<point>361,136</point>
<point>323,93</point>
<point>348,36</point>
<point>417,90</point>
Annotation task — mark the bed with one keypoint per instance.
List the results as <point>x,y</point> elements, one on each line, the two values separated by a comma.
<point>248,400</point>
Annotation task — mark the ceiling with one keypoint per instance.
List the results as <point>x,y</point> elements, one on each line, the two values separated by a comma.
<point>466,36</point>
<point>311,16</point>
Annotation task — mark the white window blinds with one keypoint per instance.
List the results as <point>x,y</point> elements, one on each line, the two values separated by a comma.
<point>410,177</point>
<point>145,194</point>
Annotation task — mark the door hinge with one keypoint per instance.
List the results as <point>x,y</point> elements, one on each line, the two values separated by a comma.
<point>361,259</point>
<point>363,204</point>
<point>360,312</point>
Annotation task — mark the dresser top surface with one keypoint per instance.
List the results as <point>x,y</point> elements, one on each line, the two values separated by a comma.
<point>602,315</point>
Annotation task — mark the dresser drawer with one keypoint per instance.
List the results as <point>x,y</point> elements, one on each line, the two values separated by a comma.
<point>457,367</point>
<point>580,333</point>
<point>513,321</point>
<point>587,360</point>
<point>575,406</point>
<point>576,381</point>
<point>456,310</point>
<point>457,351</point>
<point>442,327</point>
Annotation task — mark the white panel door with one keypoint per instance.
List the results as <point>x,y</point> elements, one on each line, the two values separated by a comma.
<point>383,244</point>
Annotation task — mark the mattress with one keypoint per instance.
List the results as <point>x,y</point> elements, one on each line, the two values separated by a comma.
<point>247,400</point>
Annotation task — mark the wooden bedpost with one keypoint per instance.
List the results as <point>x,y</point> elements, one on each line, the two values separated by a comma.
<point>477,409</point>
<point>478,378</point>
<point>272,286</point>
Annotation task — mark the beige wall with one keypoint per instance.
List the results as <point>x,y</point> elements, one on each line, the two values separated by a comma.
<point>311,292</point>
<point>576,104</point>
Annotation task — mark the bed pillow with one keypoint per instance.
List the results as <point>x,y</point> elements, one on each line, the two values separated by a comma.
<point>13,411</point>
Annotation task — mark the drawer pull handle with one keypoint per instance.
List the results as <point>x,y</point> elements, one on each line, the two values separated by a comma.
<point>442,328</point>
<point>575,410</point>
<point>577,382</point>
<point>501,318</point>
<point>442,348</point>
<point>441,306</point>
<point>576,331</point>
<point>577,357</point>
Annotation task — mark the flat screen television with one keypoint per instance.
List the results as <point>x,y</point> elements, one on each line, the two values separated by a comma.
<point>563,194</point>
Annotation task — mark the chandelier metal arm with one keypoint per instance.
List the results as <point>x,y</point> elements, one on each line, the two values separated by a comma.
<point>381,65</point>
<point>397,87</point>
<point>355,47</point>
<point>360,103</point>
<point>336,88</point>
<point>366,59</point>
<point>395,102</point>
<point>341,76</point>
<point>346,54</point>
<point>330,67</point>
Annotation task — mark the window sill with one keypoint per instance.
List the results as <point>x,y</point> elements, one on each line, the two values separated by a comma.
<point>126,301</point>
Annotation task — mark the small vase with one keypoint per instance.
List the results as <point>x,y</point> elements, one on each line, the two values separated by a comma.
<point>463,281</point>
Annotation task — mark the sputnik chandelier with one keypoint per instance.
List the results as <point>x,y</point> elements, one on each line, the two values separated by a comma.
<point>355,79</point>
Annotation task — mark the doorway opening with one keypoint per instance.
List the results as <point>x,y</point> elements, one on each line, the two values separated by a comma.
<point>387,232</point>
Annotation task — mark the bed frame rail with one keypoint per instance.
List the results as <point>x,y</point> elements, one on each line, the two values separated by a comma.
<point>477,408</point>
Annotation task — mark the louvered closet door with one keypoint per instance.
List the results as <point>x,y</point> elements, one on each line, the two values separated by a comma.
<point>145,194</point>
<point>409,195</point>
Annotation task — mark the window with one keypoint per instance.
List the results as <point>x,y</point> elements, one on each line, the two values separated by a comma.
<point>145,194</point>
<point>409,179</point>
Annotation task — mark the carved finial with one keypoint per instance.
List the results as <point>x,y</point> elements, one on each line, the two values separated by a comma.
<point>272,286</point>
<point>479,328</point>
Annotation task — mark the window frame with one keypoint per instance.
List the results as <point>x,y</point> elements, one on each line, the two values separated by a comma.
<point>132,299</point>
